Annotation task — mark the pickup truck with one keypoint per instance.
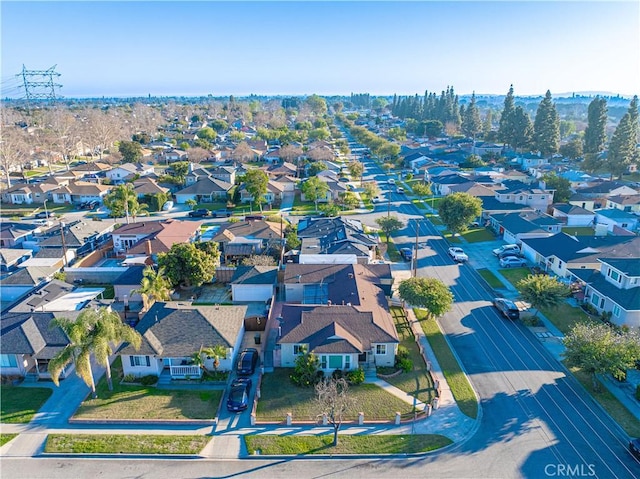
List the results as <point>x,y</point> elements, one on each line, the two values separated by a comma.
<point>458,255</point>
<point>221,214</point>
<point>200,213</point>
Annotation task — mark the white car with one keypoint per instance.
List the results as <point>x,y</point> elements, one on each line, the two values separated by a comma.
<point>391,181</point>
<point>506,247</point>
<point>458,254</point>
<point>512,261</point>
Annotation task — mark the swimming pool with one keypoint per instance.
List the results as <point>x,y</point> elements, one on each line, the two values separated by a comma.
<point>110,263</point>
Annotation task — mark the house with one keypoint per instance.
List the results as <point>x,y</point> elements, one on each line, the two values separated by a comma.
<point>56,296</point>
<point>224,173</point>
<point>171,156</point>
<point>522,194</point>
<point>287,182</point>
<point>28,194</point>
<point>12,257</point>
<point>28,343</point>
<point>615,217</point>
<point>615,289</point>
<point>173,331</point>
<point>153,237</point>
<point>572,215</point>
<point>606,189</point>
<point>129,281</point>
<point>245,238</point>
<point>582,201</point>
<point>529,161</point>
<point>285,168</point>
<point>79,192</point>
<point>627,203</point>
<point>29,275</point>
<point>204,190</point>
<point>146,186</point>
<point>514,227</point>
<point>13,234</point>
<point>561,252</point>
<point>273,194</point>
<point>128,170</point>
<point>342,316</point>
<point>80,237</point>
<point>254,283</point>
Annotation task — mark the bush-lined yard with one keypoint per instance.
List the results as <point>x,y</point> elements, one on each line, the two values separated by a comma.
<point>20,404</point>
<point>124,444</point>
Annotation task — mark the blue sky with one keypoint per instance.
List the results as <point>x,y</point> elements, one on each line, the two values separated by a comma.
<point>221,48</point>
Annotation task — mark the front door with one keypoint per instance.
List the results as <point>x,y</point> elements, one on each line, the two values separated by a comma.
<point>362,358</point>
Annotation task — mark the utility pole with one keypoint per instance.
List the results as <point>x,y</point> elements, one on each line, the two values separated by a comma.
<point>389,205</point>
<point>64,245</point>
<point>415,253</point>
<point>39,84</point>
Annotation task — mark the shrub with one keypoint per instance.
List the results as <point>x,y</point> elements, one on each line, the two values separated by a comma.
<point>355,376</point>
<point>402,353</point>
<point>337,374</point>
<point>149,380</point>
<point>405,364</point>
<point>129,378</point>
<point>305,371</point>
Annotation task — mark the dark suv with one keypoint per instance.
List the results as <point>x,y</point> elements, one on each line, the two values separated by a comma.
<point>199,213</point>
<point>508,308</point>
<point>247,362</point>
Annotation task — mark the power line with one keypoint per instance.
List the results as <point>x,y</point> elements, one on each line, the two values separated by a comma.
<point>39,84</point>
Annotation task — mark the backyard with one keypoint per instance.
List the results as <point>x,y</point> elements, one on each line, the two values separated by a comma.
<point>147,402</point>
<point>20,404</point>
<point>280,396</point>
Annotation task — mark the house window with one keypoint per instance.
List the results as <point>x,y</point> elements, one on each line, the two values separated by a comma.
<point>521,197</point>
<point>8,361</point>
<point>614,275</point>
<point>595,299</point>
<point>323,362</point>
<point>530,197</point>
<point>381,349</point>
<point>559,264</point>
<point>140,361</point>
<point>633,280</point>
<point>299,349</point>
<point>335,362</point>
<point>624,225</point>
<point>347,362</point>
<point>616,311</point>
<point>542,197</point>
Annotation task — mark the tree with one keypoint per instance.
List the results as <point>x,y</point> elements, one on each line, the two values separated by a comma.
<point>255,182</point>
<point>180,170</point>
<point>291,238</point>
<point>471,122</point>
<point>561,185</point>
<point>457,210</point>
<point>92,331</point>
<point>123,201</point>
<point>333,399</point>
<point>572,149</point>
<point>317,104</point>
<point>623,149</point>
<point>187,265</point>
<point>371,189</point>
<point>191,203</point>
<point>154,287</point>
<point>243,153</point>
<point>599,349</point>
<point>131,151</point>
<point>595,134</point>
<point>356,169</point>
<point>330,209</point>
<point>207,133</point>
<point>546,127</point>
<point>429,293</point>
<point>319,134</point>
<point>316,167</point>
<point>389,224</point>
<point>156,201</point>
<point>521,129</point>
<point>314,189</point>
<point>216,353</point>
<point>14,149</point>
<point>349,200</point>
<point>422,188</point>
<point>305,370</point>
<point>505,130</point>
<point>473,161</point>
<point>542,291</point>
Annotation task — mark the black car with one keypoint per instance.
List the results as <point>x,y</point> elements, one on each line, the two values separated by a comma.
<point>508,308</point>
<point>247,362</point>
<point>202,212</point>
<point>239,395</point>
<point>406,253</point>
<point>634,447</point>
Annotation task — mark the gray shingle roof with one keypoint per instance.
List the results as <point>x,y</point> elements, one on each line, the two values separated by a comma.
<point>30,333</point>
<point>205,186</point>
<point>178,330</point>
<point>629,266</point>
<point>585,248</point>
<point>255,275</point>
<point>629,299</point>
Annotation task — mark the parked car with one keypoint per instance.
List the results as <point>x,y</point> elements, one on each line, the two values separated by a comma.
<point>510,252</point>
<point>506,247</point>
<point>507,308</point>
<point>391,181</point>
<point>254,217</point>
<point>406,253</point>
<point>458,255</point>
<point>221,214</point>
<point>512,261</point>
<point>45,214</point>
<point>199,213</point>
<point>43,222</point>
<point>247,362</point>
<point>400,189</point>
<point>167,206</point>
<point>634,447</point>
<point>239,394</point>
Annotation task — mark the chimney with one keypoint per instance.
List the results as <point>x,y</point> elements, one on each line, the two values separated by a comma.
<point>147,248</point>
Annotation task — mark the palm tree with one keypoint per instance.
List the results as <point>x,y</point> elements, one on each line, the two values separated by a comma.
<point>216,352</point>
<point>154,287</point>
<point>109,329</point>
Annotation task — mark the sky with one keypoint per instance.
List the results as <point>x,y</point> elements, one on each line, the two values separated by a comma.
<point>238,48</point>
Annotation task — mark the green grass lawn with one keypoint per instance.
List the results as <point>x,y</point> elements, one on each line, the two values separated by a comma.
<point>450,238</point>
<point>5,438</point>
<point>140,402</point>
<point>610,403</point>
<point>514,275</point>
<point>491,279</point>
<point>435,219</point>
<point>280,396</point>
<point>392,250</point>
<point>419,203</point>
<point>578,231</point>
<point>565,316</point>
<point>457,380</point>
<point>367,444</point>
<point>19,404</point>
<point>124,444</point>
<point>477,235</point>
<point>417,382</point>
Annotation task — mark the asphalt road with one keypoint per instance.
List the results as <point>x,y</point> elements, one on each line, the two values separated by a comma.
<point>536,421</point>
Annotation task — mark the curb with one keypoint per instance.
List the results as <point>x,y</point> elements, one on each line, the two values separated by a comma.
<point>143,422</point>
<point>67,455</point>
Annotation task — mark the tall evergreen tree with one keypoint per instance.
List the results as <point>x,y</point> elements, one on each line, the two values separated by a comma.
<point>471,122</point>
<point>521,136</point>
<point>623,149</point>
<point>505,130</point>
<point>595,135</point>
<point>546,127</point>
<point>487,124</point>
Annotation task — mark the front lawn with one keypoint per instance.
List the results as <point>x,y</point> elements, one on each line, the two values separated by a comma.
<point>514,275</point>
<point>347,444</point>
<point>451,238</point>
<point>565,316</point>
<point>392,250</point>
<point>416,382</point>
<point>419,203</point>
<point>20,404</point>
<point>435,219</point>
<point>280,396</point>
<point>490,278</point>
<point>456,379</point>
<point>140,402</point>
<point>477,235</point>
<point>5,438</point>
<point>124,444</point>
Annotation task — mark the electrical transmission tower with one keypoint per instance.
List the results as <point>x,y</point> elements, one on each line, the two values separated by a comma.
<point>39,84</point>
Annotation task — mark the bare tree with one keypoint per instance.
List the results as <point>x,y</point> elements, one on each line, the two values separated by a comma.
<point>332,399</point>
<point>197,154</point>
<point>102,130</point>
<point>14,150</point>
<point>320,154</point>
<point>65,130</point>
<point>243,153</point>
<point>290,153</point>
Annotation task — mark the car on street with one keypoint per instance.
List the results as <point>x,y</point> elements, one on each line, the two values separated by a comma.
<point>512,261</point>
<point>507,308</point>
<point>199,213</point>
<point>43,222</point>
<point>506,247</point>
<point>406,253</point>
<point>458,255</point>
<point>400,189</point>
<point>45,214</point>
<point>391,181</point>
<point>239,394</point>
<point>634,447</point>
<point>221,214</point>
<point>247,362</point>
